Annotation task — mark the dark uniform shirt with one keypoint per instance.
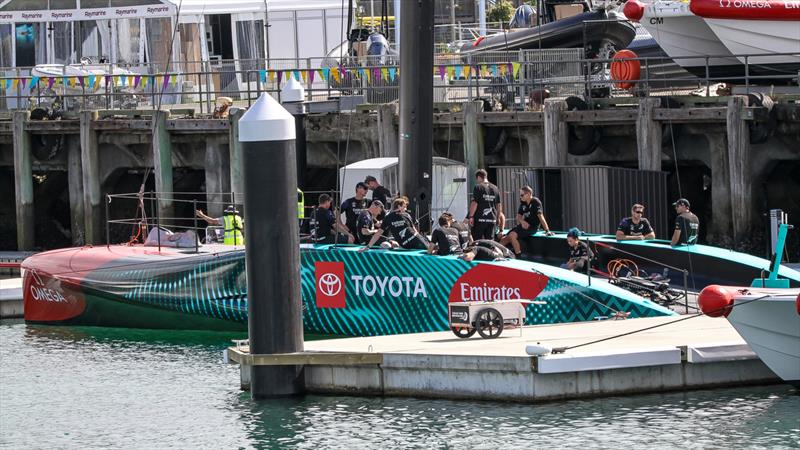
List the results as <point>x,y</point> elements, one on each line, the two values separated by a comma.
<point>401,226</point>
<point>580,251</point>
<point>463,234</point>
<point>529,211</point>
<point>499,250</point>
<point>448,241</point>
<point>382,194</point>
<point>629,228</point>
<point>365,220</point>
<point>351,208</point>
<point>487,196</point>
<point>689,225</point>
<point>322,224</point>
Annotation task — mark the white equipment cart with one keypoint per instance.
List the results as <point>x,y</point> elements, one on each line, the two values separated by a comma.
<point>487,318</point>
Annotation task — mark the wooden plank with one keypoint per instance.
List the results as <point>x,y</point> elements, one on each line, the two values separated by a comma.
<point>6,128</point>
<point>304,358</point>
<point>648,136</point>
<point>505,118</point>
<point>53,126</point>
<point>198,125</point>
<point>602,116</point>
<point>123,125</point>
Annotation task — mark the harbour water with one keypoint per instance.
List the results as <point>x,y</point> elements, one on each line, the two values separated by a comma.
<point>81,387</point>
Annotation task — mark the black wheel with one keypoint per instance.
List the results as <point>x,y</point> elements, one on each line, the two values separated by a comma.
<point>463,332</point>
<point>489,323</point>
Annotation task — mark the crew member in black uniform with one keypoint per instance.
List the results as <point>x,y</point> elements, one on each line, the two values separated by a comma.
<point>687,225</point>
<point>353,206</point>
<point>486,250</point>
<point>485,209</point>
<point>368,223</point>
<point>378,192</point>
<point>400,223</point>
<point>445,240</point>
<point>324,226</point>
<point>464,236</point>
<point>635,227</point>
<point>528,207</point>
<point>580,254</point>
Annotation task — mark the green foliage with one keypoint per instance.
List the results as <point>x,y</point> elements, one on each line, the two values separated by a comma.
<point>500,12</point>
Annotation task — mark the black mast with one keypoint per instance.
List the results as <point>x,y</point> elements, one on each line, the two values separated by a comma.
<point>416,107</point>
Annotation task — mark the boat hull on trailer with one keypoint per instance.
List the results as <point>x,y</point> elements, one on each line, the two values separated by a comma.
<point>344,292</point>
<point>705,264</point>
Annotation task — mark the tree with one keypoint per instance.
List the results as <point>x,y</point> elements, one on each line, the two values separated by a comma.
<point>500,12</point>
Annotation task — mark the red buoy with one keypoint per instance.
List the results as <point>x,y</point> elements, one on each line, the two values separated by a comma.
<point>633,10</point>
<point>623,68</point>
<point>716,301</point>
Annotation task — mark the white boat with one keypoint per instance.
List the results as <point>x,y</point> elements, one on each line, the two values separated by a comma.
<point>767,319</point>
<point>770,28</point>
<point>685,37</point>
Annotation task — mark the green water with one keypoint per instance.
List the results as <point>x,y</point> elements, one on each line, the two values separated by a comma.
<point>93,387</point>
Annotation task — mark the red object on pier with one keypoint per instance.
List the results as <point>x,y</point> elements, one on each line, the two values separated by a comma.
<point>623,68</point>
<point>716,301</point>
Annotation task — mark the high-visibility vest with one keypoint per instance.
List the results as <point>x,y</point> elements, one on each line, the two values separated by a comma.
<point>301,213</point>
<point>233,230</point>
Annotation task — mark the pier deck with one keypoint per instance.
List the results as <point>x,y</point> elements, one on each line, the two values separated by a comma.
<point>11,298</point>
<point>691,354</point>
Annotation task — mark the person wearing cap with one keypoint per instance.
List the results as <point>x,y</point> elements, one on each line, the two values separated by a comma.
<point>635,227</point>
<point>580,254</point>
<point>232,224</point>
<point>325,229</point>
<point>485,209</point>
<point>378,192</point>
<point>401,225</point>
<point>445,240</point>
<point>367,223</point>
<point>686,224</point>
<point>353,206</point>
<point>528,207</point>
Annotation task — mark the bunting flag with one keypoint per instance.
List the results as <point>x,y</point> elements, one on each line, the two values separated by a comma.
<point>335,74</point>
<point>34,81</point>
<point>271,76</point>
<point>136,80</point>
<point>384,73</point>
<point>457,71</point>
<point>8,84</point>
<point>442,70</point>
<point>515,67</point>
<point>392,73</point>
<point>280,76</point>
<point>467,71</point>
<point>15,83</point>
<point>262,75</point>
<point>326,73</point>
<point>311,76</point>
<point>451,72</point>
<point>303,75</point>
<point>82,82</point>
<point>24,82</point>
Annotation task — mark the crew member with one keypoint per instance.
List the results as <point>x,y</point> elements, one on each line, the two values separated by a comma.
<point>486,208</point>
<point>400,223</point>
<point>368,223</point>
<point>445,240</point>
<point>464,236</point>
<point>635,227</point>
<point>687,224</point>
<point>580,254</point>
<point>528,206</point>
<point>486,250</point>
<point>378,192</point>
<point>353,206</point>
<point>324,226</point>
<point>232,224</point>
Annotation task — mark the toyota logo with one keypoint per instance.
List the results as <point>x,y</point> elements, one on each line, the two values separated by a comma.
<point>329,284</point>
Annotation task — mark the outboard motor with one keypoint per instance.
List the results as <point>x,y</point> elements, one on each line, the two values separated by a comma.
<point>377,45</point>
<point>524,17</point>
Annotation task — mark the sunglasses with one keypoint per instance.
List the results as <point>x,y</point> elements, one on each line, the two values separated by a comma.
<point>638,211</point>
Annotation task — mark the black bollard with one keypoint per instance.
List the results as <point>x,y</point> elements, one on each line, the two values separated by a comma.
<point>275,321</point>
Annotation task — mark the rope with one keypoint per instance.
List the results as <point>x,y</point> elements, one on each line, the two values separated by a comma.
<point>563,349</point>
<point>617,314</point>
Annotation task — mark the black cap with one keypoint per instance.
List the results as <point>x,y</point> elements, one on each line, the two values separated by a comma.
<point>682,202</point>
<point>377,203</point>
<point>370,178</point>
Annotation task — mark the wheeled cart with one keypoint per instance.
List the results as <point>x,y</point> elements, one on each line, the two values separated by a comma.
<point>487,318</point>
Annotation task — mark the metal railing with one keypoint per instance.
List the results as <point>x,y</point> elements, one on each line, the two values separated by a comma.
<point>562,72</point>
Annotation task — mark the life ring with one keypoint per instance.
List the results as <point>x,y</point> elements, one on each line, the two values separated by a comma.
<point>623,68</point>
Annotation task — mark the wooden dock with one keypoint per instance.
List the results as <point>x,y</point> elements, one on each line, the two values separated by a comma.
<point>11,298</point>
<point>700,352</point>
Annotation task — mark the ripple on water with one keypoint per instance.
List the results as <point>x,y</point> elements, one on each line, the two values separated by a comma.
<point>94,387</point>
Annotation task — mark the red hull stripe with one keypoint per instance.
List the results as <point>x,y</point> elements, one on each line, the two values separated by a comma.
<point>784,10</point>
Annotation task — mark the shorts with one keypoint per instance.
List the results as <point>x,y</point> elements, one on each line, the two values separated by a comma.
<point>483,230</point>
<point>416,243</point>
<point>521,232</point>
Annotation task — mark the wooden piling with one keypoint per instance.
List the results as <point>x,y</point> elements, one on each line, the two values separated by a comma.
<point>556,140</point>
<point>75,187</point>
<point>90,174</point>
<point>387,131</point>
<point>235,149</point>
<point>738,166</point>
<point>473,141</point>
<point>648,135</point>
<point>162,162</point>
<point>23,175</point>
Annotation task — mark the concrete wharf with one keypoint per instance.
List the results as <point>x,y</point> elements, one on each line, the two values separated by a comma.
<point>11,304</point>
<point>696,353</point>
<point>70,164</point>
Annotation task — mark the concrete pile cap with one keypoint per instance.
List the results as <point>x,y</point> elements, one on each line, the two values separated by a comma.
<point>266,121</point>
<point>292,91</point>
